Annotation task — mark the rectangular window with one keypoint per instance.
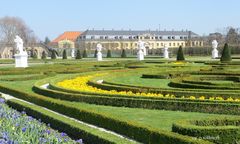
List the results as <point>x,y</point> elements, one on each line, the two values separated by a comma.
<point>101,37</point>
<point>170,44</point>
<point>92,37</point>
<point>156,37</point>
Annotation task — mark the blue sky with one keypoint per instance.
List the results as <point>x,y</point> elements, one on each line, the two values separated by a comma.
<point>53,17</point>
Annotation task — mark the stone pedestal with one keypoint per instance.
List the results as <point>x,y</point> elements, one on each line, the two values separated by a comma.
<point>21,60</point>
<point>140,55</point>
<point>214,53</point>
<point>99,56</point>
<point>165,53</point>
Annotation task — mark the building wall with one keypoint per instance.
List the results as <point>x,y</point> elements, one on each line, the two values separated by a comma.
<point>132,44</point>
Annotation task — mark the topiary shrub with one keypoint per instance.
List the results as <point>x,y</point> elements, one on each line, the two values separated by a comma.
<point>123,55</point>
<point>95,54</point>
<point>44,55</point>
<point>64,54</point>
<point>53,55</point>
<point>35,55</point>
<point>109,54</point>
<point>85,53</point>
<point>78,56</point>
<point>180,55</point>
<point>226,54</point>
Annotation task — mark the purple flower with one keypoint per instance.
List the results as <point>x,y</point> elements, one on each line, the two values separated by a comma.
<point>30,118</point>
<point>23,112</point>
<point>79,141</point>
<point>24,129</point>
<point>48,125</point>
<point>2,100</point>
<point>63,134</point>
<point>48,131</point>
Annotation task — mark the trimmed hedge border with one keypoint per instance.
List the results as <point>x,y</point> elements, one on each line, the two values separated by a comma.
<point>132,130</point>
<point>224,130</point>
<point>72,128</point>
<point>167,104</point>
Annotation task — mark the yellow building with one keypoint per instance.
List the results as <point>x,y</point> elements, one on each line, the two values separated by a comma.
<point>111,39</point>
<point>66,40</point>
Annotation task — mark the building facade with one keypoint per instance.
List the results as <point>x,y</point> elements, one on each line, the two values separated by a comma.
<point>66,40</point>
<point>111,39</point>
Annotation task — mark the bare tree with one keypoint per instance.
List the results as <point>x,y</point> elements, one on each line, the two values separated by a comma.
<point>12,26</point>
<point>232,36</point>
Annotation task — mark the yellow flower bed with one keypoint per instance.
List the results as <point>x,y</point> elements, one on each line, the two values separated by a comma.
<point>80,84</point>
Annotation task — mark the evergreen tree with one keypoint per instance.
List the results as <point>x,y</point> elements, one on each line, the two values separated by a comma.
<point>85,53</point>
<point>44,55</point>
<point>109,54</point>
<point>78,55</point>
<point>64,54</point>
<point>95,54</point>
<point>53,55</point>
<point>35,55</point>
<point>123,55</point>
<point>180,55</point>
<point>47,41</point>
<point>226,54</point>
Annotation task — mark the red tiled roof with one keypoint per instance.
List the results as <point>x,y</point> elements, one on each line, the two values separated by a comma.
<point>69,35</point>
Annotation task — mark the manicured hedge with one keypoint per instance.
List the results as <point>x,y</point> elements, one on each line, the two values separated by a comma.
<point>72,128</point>
<point>187,91</point>
<point>224,130</point>
<point>164,103</point>
<point>129,129</point>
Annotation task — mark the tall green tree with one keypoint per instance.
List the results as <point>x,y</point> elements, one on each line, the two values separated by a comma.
<point>78,55</point>
<point>85,53</point>
<point>64,54</point>
<point>180,55</point>
<point>109,54</point>
<point>44,55</point>
<point>226,54</point>
<point>47,41</point>
<point>123,55</point>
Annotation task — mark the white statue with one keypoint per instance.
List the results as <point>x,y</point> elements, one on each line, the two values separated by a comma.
<point>21,58</point>
<point>99,53</point>
<point>214,51</point>
<point>141,48</point>
<point>165,52</point>
<point>19,44</point>
<point>73,53</point>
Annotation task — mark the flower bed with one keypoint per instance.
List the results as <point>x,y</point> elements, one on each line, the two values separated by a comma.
<point>16,127</point>
<point>81,84</point>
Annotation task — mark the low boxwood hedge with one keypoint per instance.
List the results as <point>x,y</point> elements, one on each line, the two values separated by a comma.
<point>224,130</point>
<point>74,129</point>
<point>129,129</point>
<point>164,103</point>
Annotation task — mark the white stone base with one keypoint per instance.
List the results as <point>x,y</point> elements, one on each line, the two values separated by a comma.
<point>21,60</point>
<point>99,56</point>
<point>165,55</point>
<point>214,54</point>
<point>140,56</point>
